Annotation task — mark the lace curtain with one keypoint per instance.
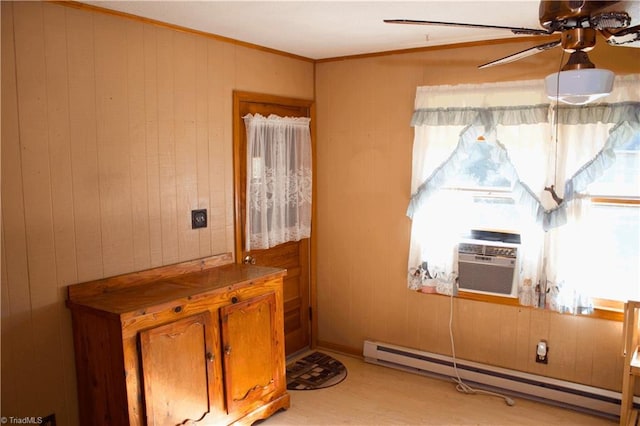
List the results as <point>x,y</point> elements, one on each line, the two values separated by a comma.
<point>516,126</point>
<point>279,180</point>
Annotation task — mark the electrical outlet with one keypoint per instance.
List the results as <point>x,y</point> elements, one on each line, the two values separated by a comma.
<point>542,352</point>
<point>198,218</point>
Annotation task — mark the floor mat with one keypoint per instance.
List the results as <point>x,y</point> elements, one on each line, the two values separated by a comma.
<point>315,371</point>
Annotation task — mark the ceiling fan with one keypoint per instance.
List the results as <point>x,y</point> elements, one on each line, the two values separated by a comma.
<point>577,22</point>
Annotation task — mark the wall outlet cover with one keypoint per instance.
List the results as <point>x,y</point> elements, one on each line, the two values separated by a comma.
<point>542,352</point>
<point>198,218</point>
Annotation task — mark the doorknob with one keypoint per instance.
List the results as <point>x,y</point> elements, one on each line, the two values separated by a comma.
<point>249,260</point>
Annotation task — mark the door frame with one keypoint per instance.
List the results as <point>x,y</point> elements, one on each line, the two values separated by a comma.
<point>238,125</point>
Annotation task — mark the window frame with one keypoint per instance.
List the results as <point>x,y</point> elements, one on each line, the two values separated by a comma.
<point>438,106</point>
<point>609,308</point>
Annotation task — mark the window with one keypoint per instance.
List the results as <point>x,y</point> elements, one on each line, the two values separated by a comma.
<point>607,232</point>
<point>481,169</point>
<point>476,187</point>
<point>621,179</point>
<point>495,173</point>
<point>612,231</point>
<point>485,192</point>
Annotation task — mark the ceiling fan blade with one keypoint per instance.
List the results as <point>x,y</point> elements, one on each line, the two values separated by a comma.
<point>629,36</point>
<point>522,54</point>
<point>515,30</point>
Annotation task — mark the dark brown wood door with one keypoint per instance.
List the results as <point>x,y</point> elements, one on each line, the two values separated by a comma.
<point>293,256</point>
<point>181,371</point>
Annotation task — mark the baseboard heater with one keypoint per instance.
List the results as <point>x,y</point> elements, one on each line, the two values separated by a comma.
<point>589,399</point>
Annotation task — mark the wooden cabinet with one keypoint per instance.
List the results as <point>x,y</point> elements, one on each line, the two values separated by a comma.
<point>189,343</point>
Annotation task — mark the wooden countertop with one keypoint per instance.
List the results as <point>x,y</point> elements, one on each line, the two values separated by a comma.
<point>140,290</point>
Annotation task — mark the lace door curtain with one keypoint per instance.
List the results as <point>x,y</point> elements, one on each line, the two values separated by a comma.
<point>279,180</point>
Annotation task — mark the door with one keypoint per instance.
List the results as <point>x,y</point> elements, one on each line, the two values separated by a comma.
<point>293,256</point>
<point>181,372</point>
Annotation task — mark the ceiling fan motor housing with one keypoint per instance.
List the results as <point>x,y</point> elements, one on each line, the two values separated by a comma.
<point>583,39</point>
<point>557,15</point>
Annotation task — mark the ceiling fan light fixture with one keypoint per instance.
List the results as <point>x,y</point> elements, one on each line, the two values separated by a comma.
<point>579,86</point>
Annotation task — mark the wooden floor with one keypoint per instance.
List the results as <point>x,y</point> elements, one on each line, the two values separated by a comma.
<point>375,395</point>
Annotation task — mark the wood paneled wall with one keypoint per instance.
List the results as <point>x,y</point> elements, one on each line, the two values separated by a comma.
<point>364,108</point>
<point>113,130</point>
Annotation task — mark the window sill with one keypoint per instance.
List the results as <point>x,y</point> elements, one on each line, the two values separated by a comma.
<point>604,309</point>
<point>609,309</point>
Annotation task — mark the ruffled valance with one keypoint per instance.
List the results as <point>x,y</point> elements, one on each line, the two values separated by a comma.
<point>514,115</point>
<point>599,113</point>
<point>488,117</point>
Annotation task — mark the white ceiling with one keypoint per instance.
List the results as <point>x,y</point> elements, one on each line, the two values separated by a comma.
<point>329,29</point>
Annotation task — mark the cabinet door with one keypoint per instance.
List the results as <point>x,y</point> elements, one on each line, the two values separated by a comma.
<point>253,347</point>
<point>180,371</point>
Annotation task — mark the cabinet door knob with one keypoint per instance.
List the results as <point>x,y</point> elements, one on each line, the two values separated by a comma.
<point>210,356</point>
<point>234,299</point>
<point>249,260</point>
<point>227,350</point>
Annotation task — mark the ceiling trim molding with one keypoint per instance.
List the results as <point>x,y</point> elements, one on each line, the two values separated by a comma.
<point>534,39</point>
<point>97,9</point>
